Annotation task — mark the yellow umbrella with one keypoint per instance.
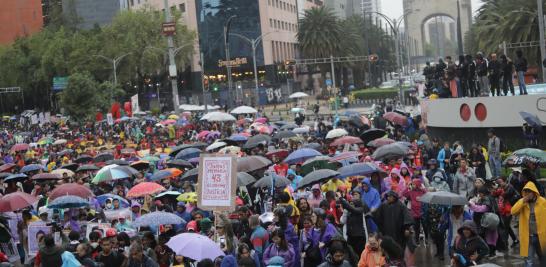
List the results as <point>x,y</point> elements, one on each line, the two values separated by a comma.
<point>61,172</point>
<point>233,150</point>
<point>187,197</point>
<point>173,117</point>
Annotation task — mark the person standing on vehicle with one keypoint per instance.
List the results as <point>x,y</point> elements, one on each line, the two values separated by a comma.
<point>507,68</point>
<point>494,69</point>
<point>481,70</point>
<point>521,68</point>
<point>471,77</point>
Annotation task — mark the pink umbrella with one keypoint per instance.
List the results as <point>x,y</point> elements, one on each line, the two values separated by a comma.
<point>145,188</point>
<point>345,155</point>
<point>71,189</point>
<point>6,167</point>
<point>380,142</point>
<point>263,129</point>
<point>346,140</point>
<point>261,120</point>
<point>396,118</point>
<point>19,147</point>
<point>168,122</point>
<point>16,201</point>
<point>202,134</point>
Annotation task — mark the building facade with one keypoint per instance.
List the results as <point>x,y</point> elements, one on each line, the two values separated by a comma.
<point>91,13</point>
<point>19,18</point>
<point>339,7</point>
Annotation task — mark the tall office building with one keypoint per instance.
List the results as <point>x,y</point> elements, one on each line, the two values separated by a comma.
<point>339,7</point>
<point>19,18</point>
<point>89,13</point>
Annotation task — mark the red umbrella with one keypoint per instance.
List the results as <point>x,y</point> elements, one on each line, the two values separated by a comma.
<point>16,201</point>
<point>380,142</point>
<point>396,118</point>
<point>19,147</point>
<point>46,176</point>
<point>145,188</point>
<point>71,189</point>
<point>6,167</point>
<point>279,153</point>
<point>346,140</point>
<point>345,155</point>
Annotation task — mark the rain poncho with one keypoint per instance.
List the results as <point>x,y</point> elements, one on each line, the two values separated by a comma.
<point>370,197</point>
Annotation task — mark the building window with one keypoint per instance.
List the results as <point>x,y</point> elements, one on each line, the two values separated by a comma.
<point>132,3</point>
<point>277,3</point>
<point>182,7</point>
<point>269,2</point>
<point>271,23</point>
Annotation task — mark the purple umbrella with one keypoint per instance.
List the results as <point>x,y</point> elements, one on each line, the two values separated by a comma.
<point>195,246</point>
<point>301,155</point>
<point>158,218</point>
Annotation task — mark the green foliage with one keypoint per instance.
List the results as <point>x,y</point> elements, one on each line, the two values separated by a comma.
<point>81,97</point>
<point>375,93</point>
<point>319,33</point>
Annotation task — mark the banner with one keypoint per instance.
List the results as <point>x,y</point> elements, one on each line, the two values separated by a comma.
<point>134,104</point>
<point>34,119</point>
<point>36,231</point>
<point>99,227</point>
<point>47,116</point>
<point>116,214</point>
<point>217,182</point>
<point>41,118</point>
<point>110,119</point>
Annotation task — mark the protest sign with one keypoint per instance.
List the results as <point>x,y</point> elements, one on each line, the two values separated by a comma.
<point>217,182</point>
<point>110,119</point>
<point>100,227</point>
<point>116,214</point>
<point>36,231</point>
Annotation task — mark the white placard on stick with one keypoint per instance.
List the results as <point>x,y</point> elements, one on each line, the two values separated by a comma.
<point>217,182</point>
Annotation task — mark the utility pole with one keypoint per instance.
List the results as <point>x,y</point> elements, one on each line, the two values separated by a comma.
<point>203,82</point>
<point>459,31</point>
<point>541,31</point>
<point>334,82</point>
<point>172,64</point>
<point>228,62</point>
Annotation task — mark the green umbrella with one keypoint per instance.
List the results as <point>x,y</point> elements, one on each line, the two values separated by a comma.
<point>533,153</point>
<point>151,158</point>
<point>317,163</point>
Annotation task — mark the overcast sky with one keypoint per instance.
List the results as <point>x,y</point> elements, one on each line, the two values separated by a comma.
<point>393,8</point>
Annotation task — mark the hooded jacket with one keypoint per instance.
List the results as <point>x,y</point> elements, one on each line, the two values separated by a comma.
<point>474,243</point>
<point>413,195</point>
<point>393,218</point>
<point>397,187</point>
<point>296,179</point>
<point>521,208</point>
<point>288,255</point>
<point>441,185</point>
<point>368,258</point>
<point>51,256</point>
<point>371,197</point>
<point>329,263</point>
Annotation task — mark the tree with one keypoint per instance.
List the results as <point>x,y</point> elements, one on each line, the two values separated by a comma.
<point>81,98</point>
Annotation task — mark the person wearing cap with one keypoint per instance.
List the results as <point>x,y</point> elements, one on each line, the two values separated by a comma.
<point>515,179</point>
<point>531,211</point>
<point>315,197</point>
<point>135,210</point>
<point>181,211</point>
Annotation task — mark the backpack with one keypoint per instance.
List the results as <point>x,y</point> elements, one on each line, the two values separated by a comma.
<point>502,145</point>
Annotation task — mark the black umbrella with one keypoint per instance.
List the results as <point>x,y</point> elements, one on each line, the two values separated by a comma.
<point>5,174</point>
<point>88,167</point>
<point>119,162</point>
<point>316,177</point>
<point>179,163</point>
<point>65,152</point>
<point>252,163</point>
<point>260,139</point>
<point>394,150</point>
<point>177,149</point>
<point>103,157</point>
<point>190,175</point>
<point>267,181</point>
<point>284,135</point>
<point>70,166</point>
<point>244,179</point>
<point>83,159</point>
<point>372,134</point>
<point>289,126</point>
<point>315,146</point>
<point>531,119</point>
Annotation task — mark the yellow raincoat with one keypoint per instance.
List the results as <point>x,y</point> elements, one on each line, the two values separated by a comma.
<point>522,209</point>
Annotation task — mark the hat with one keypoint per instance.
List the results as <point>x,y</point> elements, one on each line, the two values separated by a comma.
<point>43,210</point>
<point>135,204</point>
<point>192,225</point>
<point>111,232</point>
<point>483,190</point>
<point>181,204</point>
<point>276,261</point>
<point>158,202</point>
<point>516,169</point>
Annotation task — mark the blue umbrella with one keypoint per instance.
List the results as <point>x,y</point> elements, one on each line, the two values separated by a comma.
<point>188,153</point>
<point>238,138</point>
<point>531,119</point>
<point>357,169</point>
<point>160,175</point>
<point>66,202</point>
<point>301,155</point>
<point>16,177</point>
<point>158,218</point>
<point>102,199</point>
<point>31,168</point>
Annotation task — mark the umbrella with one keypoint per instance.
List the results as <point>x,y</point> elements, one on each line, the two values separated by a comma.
<point>119,162</point>
<point>218,116</point>
<point>152,159</point>
<point>284,135</point>
<point>238,138</point>
<point>233,150</point>
<point>62,172</point>
<point>168,122</point>
<point>244,110</point>
<point>298,95</point>
<point>59,142</point>
<point>88,167</point>
<point>252,163</point>
<point>316,177</point>
<point>5,174</point>
<point>71,189</point>
<point>317,163</point>
<point>18,177</point>
<point>129,170</point>
<point>190,175</point>
<point>538,154</point>
<point>260,139</point>
<point>358,169</point>
<point>267,181</point>
<point>45,176</point>
<point>443,198</point>
<point>83,159</point>
<point>173,117</point>
<point>167,194</point>
<point>15,201</point>
<point>396,118</point>
<point>372,134</point>
<point>103,157</point>
<point>315,146</point>
<point>188,153</point>
<point>19,147</point>
<point>301,155</point>
<point>194,246</point>
<point>128,151</point>
<point>515,160</point>
<point>164,174</point>
<point>70,166</point>
<point>346,155</point>
<point>335,133</point>
<point>187,197</point>
<point>261,120</point>
<point>531,119</point>
<point>6,167</point>
<point>380,142</point>
<point>45,141</point>
<point>140,165</point>
<point>102,199</point>
<point>179,163</point>
<point>65,152</point>
<point>279,153</point>
<point>216,145</point>
<point>301,130</point>
<point>393,150</point>
<point>109,173</point>
<point>158,218</point>
<point>145,188</point>
<point>66,202</point>
<point>346,140</point>
<point>31,168</point>
<point>289,126</point>
<point>177,149</point>
<point>267,217</point>
<point>244,179</point>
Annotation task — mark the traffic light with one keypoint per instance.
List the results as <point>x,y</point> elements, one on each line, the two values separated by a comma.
<point>215,88</point>
<point>373,57</point>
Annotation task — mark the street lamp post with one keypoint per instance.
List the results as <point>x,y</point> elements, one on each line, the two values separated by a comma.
<point>541,33</point>
<point>254,44</point>
<point>115,62</point>
<point>172,63</point>
<point>228,63</point>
